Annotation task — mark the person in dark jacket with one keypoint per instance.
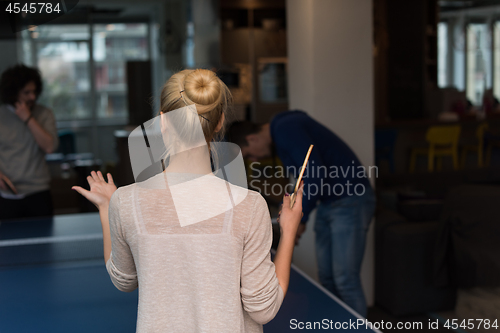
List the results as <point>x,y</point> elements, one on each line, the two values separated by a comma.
<point>335,182</point>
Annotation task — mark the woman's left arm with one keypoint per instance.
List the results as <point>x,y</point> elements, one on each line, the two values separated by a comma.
<point>100,194</point>
<point>106,236</point>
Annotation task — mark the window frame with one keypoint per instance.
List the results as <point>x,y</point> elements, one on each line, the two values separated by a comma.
<point>93,122</point>
<point>470,21</point>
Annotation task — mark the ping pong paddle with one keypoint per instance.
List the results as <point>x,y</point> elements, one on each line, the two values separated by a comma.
<point>294,195</point>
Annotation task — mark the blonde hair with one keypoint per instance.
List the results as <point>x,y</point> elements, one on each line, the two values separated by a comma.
<point>203,88</point>
<point>208,93</point>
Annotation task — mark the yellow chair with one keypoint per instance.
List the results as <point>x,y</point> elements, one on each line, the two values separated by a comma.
<point>476,148</point>
<point>443,141</point>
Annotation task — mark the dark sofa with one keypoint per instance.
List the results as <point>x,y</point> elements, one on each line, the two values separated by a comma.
<point>404,254</point>
<point>425,249</point>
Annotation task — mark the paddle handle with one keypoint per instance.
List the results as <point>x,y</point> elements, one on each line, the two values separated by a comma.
<point>294,195</point>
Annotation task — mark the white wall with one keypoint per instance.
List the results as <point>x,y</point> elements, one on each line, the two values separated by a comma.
<point>331,78</point>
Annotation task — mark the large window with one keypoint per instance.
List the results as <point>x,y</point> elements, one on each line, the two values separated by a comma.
<point>478,62</point>
<point>114,44</point>
<point>62,53</point>
<point>470,59</point>
<point>442,54</point>
<point>458,46</point>
<point>496,61</point>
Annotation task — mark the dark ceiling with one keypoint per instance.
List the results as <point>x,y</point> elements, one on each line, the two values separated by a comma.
<point>448,5</point>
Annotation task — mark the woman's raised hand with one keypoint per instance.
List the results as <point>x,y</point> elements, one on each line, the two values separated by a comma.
<point>100,191</point>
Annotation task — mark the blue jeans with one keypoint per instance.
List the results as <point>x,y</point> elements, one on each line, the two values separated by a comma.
<point>341,229</point>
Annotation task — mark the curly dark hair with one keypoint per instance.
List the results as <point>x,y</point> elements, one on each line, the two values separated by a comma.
<point>16,78</point>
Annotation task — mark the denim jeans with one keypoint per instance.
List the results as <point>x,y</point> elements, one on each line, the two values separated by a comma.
<point>341,229</point>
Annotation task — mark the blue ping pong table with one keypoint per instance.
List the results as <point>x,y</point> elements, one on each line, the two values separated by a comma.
<point>53,279</point>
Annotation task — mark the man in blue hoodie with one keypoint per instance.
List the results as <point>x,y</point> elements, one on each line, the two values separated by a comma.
<point>335,178</point>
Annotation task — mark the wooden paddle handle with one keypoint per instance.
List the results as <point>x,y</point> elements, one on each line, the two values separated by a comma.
<point>294,195</point>
<point>292,200</point>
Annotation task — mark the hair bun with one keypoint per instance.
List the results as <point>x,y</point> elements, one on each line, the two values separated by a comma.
<point>202,87</point>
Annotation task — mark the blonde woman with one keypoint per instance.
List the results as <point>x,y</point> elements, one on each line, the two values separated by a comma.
<point>211,275</point>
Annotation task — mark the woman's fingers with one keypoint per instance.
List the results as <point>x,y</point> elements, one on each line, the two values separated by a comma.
<point>94,175</point>
<point>98,176</point>
<point>286,201</point>
<point>81,190</point>
<point>110,179</point>
<point>90,196</point>
<point>101,177</point>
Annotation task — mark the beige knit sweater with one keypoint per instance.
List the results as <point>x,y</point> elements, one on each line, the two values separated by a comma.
<point>212,276</point>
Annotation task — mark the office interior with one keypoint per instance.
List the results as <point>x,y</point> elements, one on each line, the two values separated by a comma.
<point>413,87</point>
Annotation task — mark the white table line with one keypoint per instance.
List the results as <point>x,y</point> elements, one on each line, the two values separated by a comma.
<point>48,240</point>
